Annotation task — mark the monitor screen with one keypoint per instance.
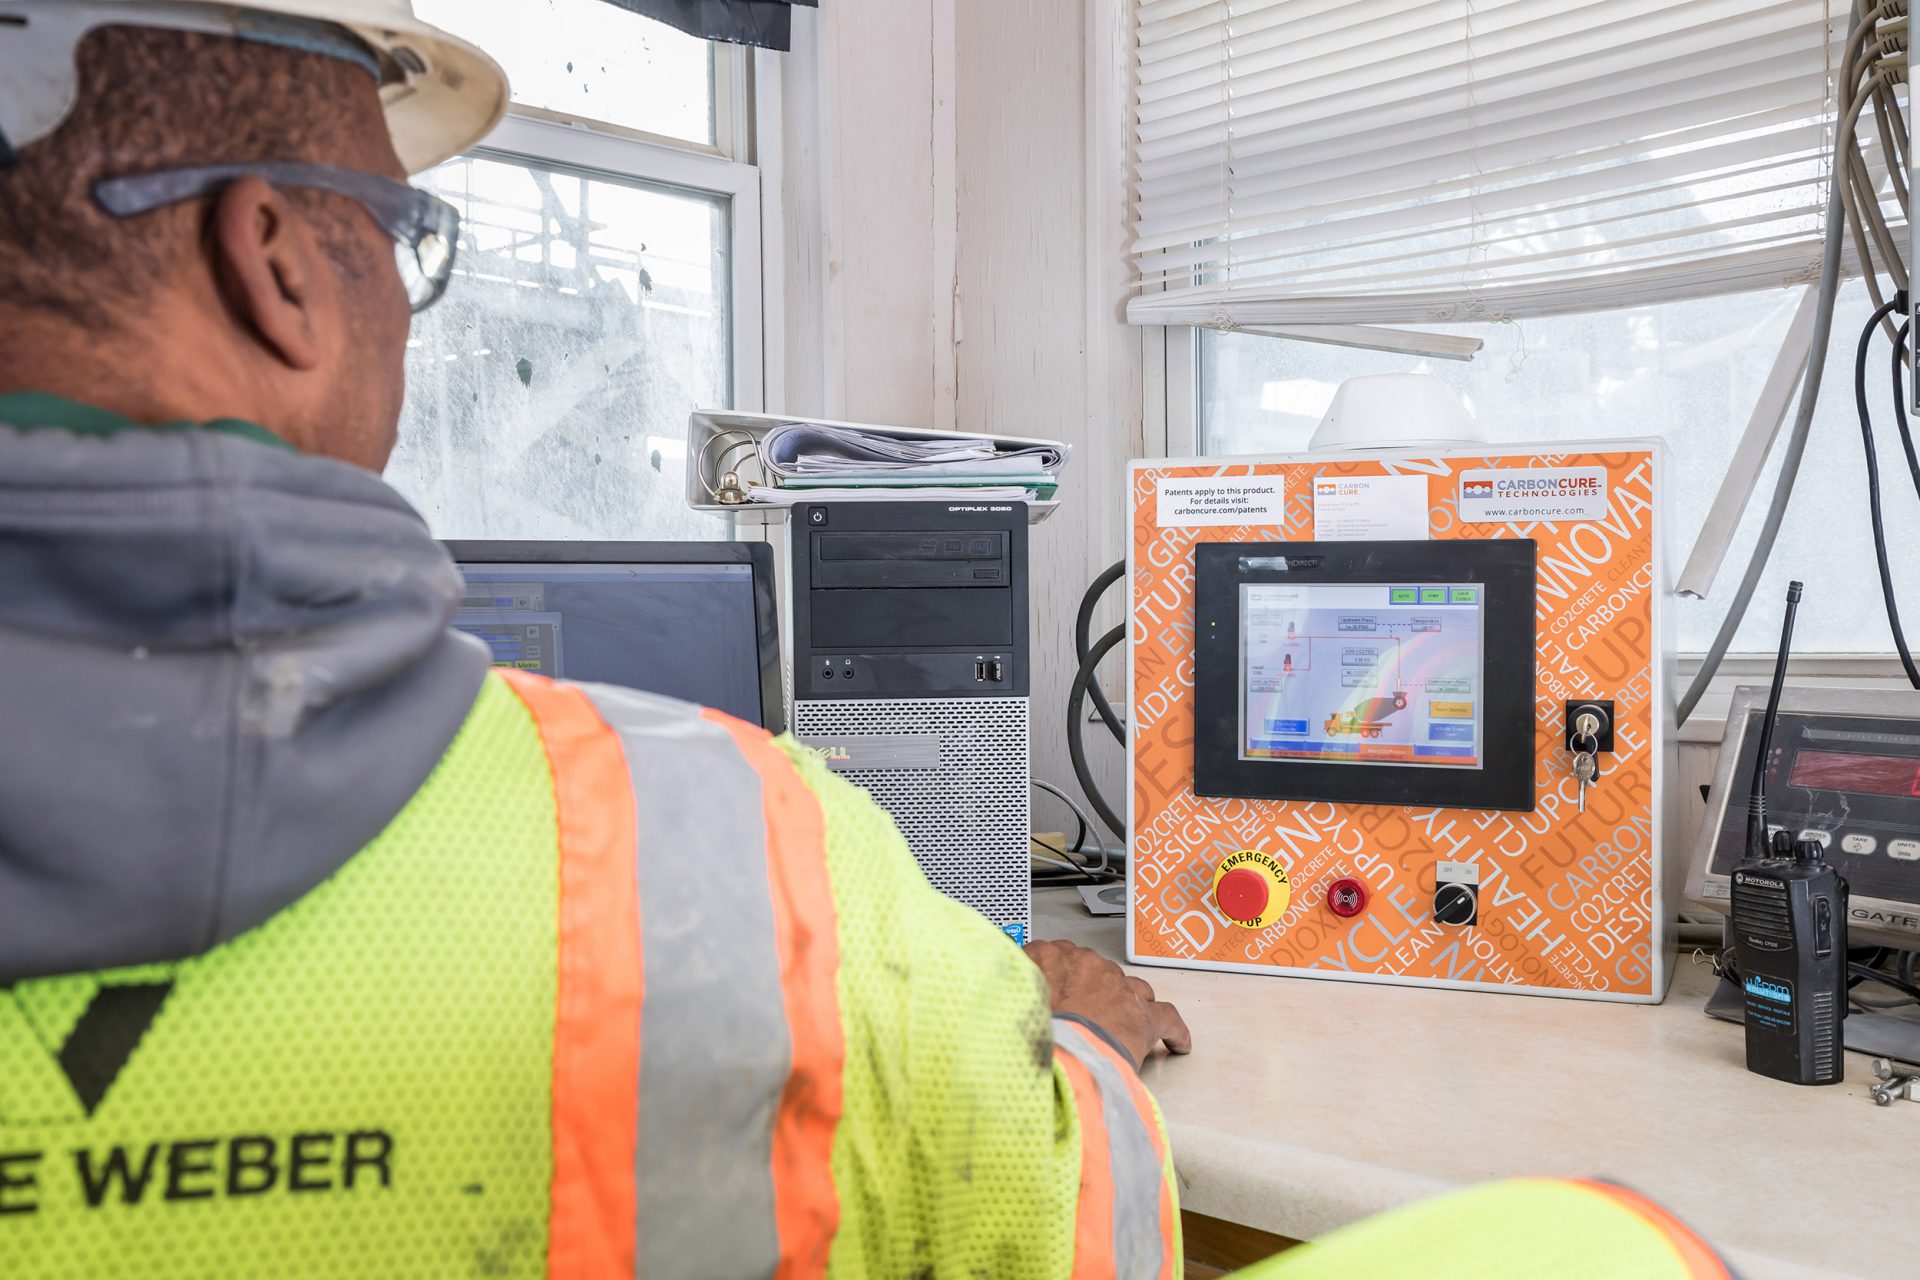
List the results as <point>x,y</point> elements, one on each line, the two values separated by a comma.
<point>691,630</point>
<point>1362,673</point>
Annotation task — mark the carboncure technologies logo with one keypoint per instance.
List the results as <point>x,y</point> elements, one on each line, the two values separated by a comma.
<point>1565,486</point>
<point>1552,492</point>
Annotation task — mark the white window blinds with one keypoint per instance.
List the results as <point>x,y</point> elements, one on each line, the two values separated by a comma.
<point>1306,162</point>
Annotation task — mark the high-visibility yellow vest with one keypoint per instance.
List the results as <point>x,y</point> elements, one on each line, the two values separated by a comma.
<point>1518,1229</point>
<point>628,988</point>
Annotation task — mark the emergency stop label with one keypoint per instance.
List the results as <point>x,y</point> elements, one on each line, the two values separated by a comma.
<point>1533,493</point>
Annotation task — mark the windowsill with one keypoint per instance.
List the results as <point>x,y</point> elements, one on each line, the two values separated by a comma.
<point>1830,671</point>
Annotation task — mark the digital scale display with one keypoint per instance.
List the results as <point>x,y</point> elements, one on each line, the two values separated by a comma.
<point>1859,775</point>
<point>1851,782</point>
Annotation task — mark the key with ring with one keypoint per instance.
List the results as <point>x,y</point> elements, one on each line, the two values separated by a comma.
<point>1585,770</point>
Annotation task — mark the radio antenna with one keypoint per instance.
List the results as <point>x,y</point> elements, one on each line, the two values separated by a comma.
<point>1757,845</point>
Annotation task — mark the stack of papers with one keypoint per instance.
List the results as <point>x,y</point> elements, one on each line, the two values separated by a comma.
<point>931,492</point>
<point>806,461</point>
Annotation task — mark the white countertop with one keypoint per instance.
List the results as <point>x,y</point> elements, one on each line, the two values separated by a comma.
<point>1307,1105</point>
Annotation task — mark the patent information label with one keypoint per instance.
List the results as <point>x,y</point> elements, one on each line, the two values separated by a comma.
<point>1537,493</point>
<point>1219,500</point>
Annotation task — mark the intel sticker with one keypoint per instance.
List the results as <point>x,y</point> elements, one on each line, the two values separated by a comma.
<point>1533,493</point>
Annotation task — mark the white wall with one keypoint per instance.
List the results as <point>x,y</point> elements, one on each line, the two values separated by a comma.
<point>955,230</point>
<point>955,222</point>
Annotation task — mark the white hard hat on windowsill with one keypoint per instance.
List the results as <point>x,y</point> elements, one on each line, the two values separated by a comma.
<point>1395,411</point>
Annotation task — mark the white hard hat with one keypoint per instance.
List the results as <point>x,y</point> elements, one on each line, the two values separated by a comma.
<point>442,94</point>
<point>1395,411</point>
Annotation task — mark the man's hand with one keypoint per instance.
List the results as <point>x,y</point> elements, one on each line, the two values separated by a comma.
<point>1088,984</point>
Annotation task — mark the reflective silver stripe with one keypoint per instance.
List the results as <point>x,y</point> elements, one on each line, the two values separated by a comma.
<point>714,1046</point>
<point>1138,1248</point>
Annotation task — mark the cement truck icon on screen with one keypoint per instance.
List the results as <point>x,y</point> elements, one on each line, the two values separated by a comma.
<point>1369,719</point>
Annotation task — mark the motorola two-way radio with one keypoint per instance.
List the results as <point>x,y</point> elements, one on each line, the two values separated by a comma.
<point>1789,929</point>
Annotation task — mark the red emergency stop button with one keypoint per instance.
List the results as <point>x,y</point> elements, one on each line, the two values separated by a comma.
<point>1347,897</point>
<point>1251,888</point>
<point>1242,894</point>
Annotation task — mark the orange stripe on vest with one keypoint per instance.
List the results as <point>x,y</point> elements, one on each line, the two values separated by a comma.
<point>1701,1262</point>
<point>1093,1223</point>
<point>596,1035</point>
<point>806,1206</point>
<point>1143,1103</point>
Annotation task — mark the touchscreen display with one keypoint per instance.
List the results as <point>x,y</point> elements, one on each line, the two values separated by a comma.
<point>1362,673</point>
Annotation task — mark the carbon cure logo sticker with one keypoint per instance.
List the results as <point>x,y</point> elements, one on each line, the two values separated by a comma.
<point>1533,493</point>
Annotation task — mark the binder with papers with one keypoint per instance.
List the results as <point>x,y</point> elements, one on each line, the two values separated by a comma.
<point>755,466</point>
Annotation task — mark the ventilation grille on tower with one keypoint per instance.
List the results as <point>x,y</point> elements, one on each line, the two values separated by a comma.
<point>968,821</point>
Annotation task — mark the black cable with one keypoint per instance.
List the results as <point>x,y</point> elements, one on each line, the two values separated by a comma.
<point>1873,486</point>
<point>1079,814</point>
<point>1076,739</point>
<point>1900,401</point>
<point>1870,957</point>
<point>1726,967</point>
<point>1082,634</point>
<point>1078,873</point>
<point>1874,975</point>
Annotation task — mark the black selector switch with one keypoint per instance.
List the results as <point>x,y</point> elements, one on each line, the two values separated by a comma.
<point>1456,904</point>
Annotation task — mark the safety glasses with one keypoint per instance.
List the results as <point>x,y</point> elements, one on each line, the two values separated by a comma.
<point>425,228</point>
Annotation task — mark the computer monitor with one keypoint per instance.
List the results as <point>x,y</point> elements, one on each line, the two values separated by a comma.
<point>691,620</point>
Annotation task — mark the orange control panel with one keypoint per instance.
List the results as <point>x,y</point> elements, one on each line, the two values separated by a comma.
<point>1400,718</point>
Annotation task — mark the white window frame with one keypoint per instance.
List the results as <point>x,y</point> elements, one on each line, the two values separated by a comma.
<point>1175,349</point>
<point>1170,412</point>
<point>722,170</point>
<point>1172,409</point>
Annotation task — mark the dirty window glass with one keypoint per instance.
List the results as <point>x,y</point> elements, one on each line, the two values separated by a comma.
<point>1688,372</point>
<point>593,60</point>
<point>548,392</point>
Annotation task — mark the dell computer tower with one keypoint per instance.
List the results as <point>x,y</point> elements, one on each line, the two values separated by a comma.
<point>911,679</point>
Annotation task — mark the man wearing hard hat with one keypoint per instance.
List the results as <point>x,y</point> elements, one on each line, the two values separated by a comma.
<point>324,952</point>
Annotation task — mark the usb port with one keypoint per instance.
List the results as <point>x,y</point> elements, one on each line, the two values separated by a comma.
<point>980,671</point>
<point>995,672</point>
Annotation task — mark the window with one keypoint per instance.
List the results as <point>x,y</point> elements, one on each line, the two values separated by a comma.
<point>588,60</point>
<point>550,387</point>
<point>608,283</point>
<point>1621,189</point>
<point>1688,372</point>
<point>1317,162</point>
